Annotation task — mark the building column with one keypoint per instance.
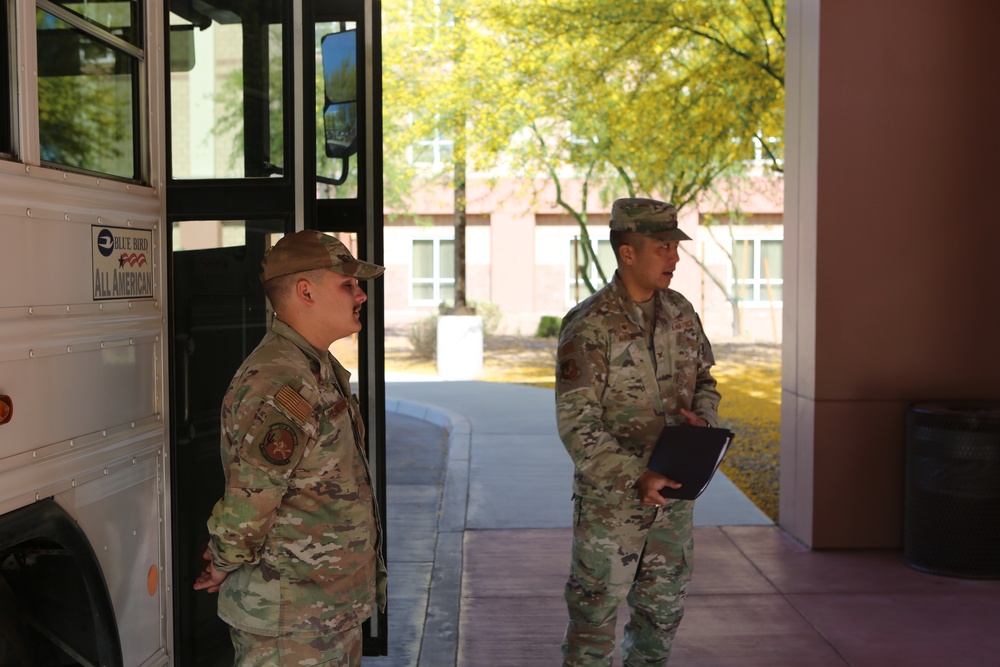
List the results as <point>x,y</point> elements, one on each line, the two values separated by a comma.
<point>891,240</point>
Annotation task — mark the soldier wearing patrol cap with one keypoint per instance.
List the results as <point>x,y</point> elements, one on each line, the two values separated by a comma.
<point>632,359</point>
<point>294,548</point>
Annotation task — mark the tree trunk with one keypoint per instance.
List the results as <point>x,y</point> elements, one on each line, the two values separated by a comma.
<point>460,220</point>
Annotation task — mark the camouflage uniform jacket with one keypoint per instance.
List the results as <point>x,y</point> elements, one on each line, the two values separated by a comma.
<point>613,397</point>
<point>296,527</point>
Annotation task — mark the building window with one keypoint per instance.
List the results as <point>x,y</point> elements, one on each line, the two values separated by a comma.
<point>759,276</point>
<point>435,152</point>
<point>432,274</point>
<point>578,268</point>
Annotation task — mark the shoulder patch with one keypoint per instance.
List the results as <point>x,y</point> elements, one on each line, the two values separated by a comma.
<point>568,370</point>
<point>278,444</point>
<point>291,401</point>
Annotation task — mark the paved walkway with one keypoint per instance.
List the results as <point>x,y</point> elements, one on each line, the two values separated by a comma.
<point>479,513</point>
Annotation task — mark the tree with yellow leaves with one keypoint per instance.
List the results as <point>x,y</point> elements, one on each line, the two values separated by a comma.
<point>658,98</point>
<point>437,60</point>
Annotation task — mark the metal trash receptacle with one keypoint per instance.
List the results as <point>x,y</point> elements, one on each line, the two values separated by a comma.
<point>951,514</point>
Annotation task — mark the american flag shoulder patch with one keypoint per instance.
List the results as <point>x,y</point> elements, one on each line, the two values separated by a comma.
<point>292,402</point>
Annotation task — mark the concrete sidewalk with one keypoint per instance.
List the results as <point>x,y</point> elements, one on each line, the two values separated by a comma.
<point>507,467</point>
<point>479,538</point>
<point>502,468</point>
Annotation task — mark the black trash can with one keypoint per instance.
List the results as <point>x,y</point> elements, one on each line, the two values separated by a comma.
<point>951,515</point>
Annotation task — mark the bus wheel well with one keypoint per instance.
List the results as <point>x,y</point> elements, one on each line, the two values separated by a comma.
<point>15,645</point>
<point>53,591</point>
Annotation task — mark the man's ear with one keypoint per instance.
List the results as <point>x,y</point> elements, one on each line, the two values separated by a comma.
<point>303,290</point>
<point>627,254</point>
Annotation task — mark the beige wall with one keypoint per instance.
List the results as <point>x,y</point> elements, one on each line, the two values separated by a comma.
<point>891,237</point>
<point>518,246</point>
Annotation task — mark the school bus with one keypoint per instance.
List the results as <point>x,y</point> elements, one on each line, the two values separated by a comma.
<point>150,153</point>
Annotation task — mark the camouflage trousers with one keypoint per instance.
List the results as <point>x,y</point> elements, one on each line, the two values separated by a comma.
<point>627,552</point>
<point>340,650</point>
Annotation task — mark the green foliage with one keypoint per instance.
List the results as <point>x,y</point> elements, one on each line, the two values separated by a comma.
<point>690,85</point>
<point>85,97</point>
<point>423,333</point>
<point>229,119</point>
<point>490,312</point>
<point>442,68</point>
<point>657,98</point>
<point>340,85</point>
<point>548,327</point>
<point>423,337</point>
<point>79,125</point>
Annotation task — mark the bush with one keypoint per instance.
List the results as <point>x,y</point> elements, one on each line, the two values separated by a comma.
<point>548,327</point>
<point>490,312</point>
<point>423,337</point>
<point>487,310</point>
<point>423,333</point>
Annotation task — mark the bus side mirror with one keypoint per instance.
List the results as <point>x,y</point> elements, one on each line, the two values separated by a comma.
<point>340,79</point>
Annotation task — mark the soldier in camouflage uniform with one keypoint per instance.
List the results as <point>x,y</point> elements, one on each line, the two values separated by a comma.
<point>632,359</point>
<point>294,545</point>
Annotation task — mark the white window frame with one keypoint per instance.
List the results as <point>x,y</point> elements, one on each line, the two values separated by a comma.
<point>572,281</point>
<point>437,144</point>
<point>756,284</point>
<point>436,280</point>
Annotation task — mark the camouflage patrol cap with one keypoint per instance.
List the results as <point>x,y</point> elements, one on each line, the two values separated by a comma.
<point>647,216</point>
<point>308,250</point>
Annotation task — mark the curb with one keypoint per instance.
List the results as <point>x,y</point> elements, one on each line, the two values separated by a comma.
<point>439,644</point>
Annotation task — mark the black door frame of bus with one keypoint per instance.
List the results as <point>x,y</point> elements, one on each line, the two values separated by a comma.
<point>270,196</point>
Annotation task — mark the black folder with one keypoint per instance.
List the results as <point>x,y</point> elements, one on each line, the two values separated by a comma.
<point>689,455</point>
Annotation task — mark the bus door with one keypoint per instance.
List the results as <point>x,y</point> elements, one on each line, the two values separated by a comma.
<point>270,129</point>
<point>219,316</point>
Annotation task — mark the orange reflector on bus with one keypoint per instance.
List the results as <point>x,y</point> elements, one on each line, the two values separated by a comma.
<point>153,579</point>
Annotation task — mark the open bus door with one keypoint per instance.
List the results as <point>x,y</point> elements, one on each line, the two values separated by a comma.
<point>219,317</point>
<point>259,145</point>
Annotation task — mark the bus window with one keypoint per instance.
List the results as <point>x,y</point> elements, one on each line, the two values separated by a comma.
<point>88,94</point>
<point>226,90</point>
<point>7,81</point>
<point>118,17</point>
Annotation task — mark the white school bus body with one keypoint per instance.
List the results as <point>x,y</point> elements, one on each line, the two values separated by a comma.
<point>84,500</point>
<point>83,366</point>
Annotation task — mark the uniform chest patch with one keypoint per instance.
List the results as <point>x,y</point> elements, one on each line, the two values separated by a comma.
<point>279,444</point>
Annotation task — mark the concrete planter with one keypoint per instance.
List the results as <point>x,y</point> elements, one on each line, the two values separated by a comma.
<point>460,347</point>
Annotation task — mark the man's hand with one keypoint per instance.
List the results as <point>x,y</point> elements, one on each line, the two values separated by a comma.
<point>692,418</point>
<point>649,485</point>
<point>211,579</point>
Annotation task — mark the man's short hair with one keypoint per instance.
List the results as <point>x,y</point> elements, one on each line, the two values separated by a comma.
<point>619,238</point>
<point>276,289</point>
<point>279,289</point>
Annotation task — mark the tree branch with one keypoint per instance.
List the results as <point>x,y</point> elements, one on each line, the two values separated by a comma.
<point>775,163</point>
<point>774,24</point>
